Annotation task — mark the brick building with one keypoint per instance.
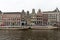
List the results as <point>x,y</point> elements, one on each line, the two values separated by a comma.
<point>45,19</point>
<point>11,18</point>
<point>39,17</point>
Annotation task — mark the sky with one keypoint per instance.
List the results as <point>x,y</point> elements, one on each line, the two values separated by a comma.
<point>19,5</point>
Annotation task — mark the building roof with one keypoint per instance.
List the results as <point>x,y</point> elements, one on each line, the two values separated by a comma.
<point>56,10</point>
<point>40,14</point>
<point>49,11</point>
<point>11,12</point>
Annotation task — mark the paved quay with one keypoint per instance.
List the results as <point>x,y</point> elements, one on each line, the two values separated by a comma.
<point>43,27</point>
<point>26,27</point>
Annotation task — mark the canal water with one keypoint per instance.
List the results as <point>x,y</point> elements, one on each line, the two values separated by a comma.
<point>29,34</point>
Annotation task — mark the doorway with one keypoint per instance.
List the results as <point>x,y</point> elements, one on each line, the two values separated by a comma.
<point>22,24</point>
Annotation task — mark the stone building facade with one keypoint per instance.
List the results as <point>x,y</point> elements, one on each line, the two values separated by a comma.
<point>33,17</point>
<point>39,18</point>
<point>25,18</point>
<point>53,16</point>
<point>0,17</point>
<point>28,18</point>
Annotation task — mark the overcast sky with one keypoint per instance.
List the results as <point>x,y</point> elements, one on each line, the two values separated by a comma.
<point>18,5</point>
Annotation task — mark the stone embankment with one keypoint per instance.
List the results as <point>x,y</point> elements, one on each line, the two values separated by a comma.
<point>27,27</point>
<point>43,27</point>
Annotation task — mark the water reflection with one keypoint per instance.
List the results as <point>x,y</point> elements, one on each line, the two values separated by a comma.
<point>29,35</point>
